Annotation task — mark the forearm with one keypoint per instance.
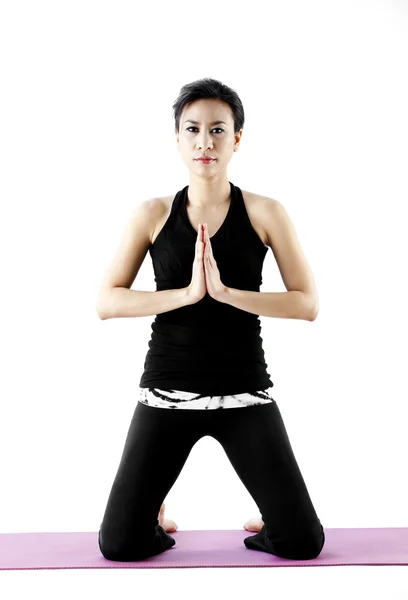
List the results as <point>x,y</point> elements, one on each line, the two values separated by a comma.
<point>123,302</point>
<point>284,305</point>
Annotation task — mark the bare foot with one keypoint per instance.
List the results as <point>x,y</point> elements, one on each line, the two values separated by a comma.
<point>254,525</point>
<point>167,524</point>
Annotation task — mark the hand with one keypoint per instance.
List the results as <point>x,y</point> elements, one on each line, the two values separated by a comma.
<point>215,287</point>
<point>197,288</point>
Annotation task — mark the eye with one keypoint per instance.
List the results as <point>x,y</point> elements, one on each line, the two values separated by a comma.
<point>192,127</point>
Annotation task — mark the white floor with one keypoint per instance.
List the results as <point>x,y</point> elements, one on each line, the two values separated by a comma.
<point>293,583</point>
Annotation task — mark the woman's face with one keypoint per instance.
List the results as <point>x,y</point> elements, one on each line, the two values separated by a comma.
<point>205,137</point>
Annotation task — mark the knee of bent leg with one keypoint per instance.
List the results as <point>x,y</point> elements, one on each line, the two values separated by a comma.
<point>121,552</point>
<point>304,547</point>
<point>108,550</point>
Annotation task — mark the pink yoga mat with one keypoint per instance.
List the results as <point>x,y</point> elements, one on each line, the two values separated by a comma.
<point>201,548</point>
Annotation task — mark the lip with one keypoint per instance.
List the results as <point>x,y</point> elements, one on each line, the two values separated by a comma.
<point>205,160</point>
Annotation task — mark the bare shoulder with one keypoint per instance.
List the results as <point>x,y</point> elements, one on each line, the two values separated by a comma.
<point>157,208</point>
<point>261,210</point>
<point>258,201</point>
<point>160,209</point>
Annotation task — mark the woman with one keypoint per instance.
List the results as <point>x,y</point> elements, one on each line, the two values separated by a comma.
<point>205,371</point>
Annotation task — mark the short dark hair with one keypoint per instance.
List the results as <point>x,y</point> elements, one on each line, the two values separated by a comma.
<point>209,88</point>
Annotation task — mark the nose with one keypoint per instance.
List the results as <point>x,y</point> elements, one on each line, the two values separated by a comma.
<point>204,141</point>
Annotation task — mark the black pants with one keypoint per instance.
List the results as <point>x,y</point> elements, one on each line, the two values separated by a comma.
<point>254,438</point>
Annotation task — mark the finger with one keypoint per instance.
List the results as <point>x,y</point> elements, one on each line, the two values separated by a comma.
<point>206,256</point>
<point>208,245</point>
<point>200,243</point>
<point>207,237</point>
<point>203,238</point>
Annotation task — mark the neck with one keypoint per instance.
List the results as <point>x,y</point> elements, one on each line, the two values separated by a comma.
<point>205,193</point>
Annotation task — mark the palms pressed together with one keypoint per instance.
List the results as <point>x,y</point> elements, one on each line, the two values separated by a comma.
<point>169,525</point>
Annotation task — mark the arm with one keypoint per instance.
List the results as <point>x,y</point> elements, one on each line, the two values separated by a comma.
<point>123,302</point>
<point>301,299</point>
<point>115,298</point>
<point>286,305</point>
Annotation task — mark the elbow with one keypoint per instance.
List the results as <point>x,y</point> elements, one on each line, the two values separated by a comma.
<point>100,312</point>
<point>105,305</point>
<point>314,312</point>
<point>310,308</point>
<point>101,308</point>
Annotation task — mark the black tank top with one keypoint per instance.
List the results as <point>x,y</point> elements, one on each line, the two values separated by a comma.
<point>209,347</point>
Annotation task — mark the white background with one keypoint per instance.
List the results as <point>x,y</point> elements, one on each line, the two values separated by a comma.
<point>86,134</point>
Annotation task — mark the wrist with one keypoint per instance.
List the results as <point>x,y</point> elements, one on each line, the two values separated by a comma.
<point>224,295</point>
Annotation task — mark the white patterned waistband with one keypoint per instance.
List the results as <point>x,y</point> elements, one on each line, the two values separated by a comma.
<point>179,399</point>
